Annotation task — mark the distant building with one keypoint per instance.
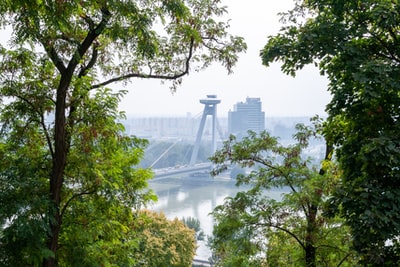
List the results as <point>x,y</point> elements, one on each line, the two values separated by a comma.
<point>172,127</point>
<point>246,116</point>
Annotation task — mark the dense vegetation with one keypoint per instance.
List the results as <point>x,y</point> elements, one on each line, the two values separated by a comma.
<point>253,229</point>
<point>70,191</point>
<point>163,242</point>
<point>356,44</point>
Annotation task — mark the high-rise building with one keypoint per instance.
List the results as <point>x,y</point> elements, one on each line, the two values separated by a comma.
<point>246,116</point>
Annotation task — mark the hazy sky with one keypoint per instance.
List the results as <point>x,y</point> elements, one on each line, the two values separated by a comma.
<point>281,95</point>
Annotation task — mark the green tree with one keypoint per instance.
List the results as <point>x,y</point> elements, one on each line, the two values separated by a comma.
<point>194,224</point>
<point>253,229</point>
<point>100,189</point>
<point>163,242</point>
<point>66,165</point>
<point>356,44</point>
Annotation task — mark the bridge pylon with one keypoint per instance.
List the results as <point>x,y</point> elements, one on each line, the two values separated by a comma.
<point>210,108</point>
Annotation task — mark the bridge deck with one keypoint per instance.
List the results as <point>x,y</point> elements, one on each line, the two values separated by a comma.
<point>165,172</point>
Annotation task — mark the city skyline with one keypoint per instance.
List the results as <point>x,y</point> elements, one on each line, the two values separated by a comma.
<point>189,115</point>
<point>282,95</point>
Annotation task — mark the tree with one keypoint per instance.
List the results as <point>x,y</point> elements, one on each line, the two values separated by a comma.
<point>60,144</point>
<point>357,45</point>
<point>100,190</point>
<point>253,229</point>
<point>194,224</point>
<point>163,242</point>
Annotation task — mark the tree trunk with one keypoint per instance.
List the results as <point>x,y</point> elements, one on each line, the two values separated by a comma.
<point>312,227</point>
<point>52,244</point>
<point>310,255</point>
<point>310,237</point>
<point>61,145</point>
<point>63,130</point>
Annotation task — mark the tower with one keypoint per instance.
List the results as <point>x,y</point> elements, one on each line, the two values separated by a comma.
<point>210,108</point>
<point>246,116</point>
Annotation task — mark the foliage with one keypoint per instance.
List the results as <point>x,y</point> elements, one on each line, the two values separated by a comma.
<point>163,242</point>
<point>357,45</point>
<point>100,189</point>
<point>194,224</point>
<point>66,176</point>
<point>253,229</point>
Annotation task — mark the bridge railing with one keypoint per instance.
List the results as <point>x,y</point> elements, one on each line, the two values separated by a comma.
<point>202,262</point>
<point>181,169</point>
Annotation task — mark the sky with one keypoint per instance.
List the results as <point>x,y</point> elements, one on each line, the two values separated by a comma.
<point>280,94</point>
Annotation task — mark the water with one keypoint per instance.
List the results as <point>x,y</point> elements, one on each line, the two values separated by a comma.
<point>195,197</point>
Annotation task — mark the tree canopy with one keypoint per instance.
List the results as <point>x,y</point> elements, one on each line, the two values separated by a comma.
<point>356,44</point>
<point>163,242</point>
<point>253,229</point>
<point>67,177</point>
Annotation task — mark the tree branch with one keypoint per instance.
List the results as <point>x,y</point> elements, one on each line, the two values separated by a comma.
<point>89,21</point>
<point>262,161</point>
<point>387,48</point>
<point>342,261</point>
<point>91,62</point>
<point>82,49</point>
<point>41,122</point>
<point>51,51</point>
<point>47,135</point>
<point>152,76</point>
<point>92,35</point>
<point>89,192</point>
<point>286,231</point>
<point>390,55</point>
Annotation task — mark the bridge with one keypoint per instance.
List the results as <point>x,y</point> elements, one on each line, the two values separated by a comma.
<point>171,171</point>
<point>210,108</point>
<point>201,262</point>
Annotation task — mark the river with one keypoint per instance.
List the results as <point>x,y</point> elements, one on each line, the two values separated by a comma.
<point>196,197</point>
